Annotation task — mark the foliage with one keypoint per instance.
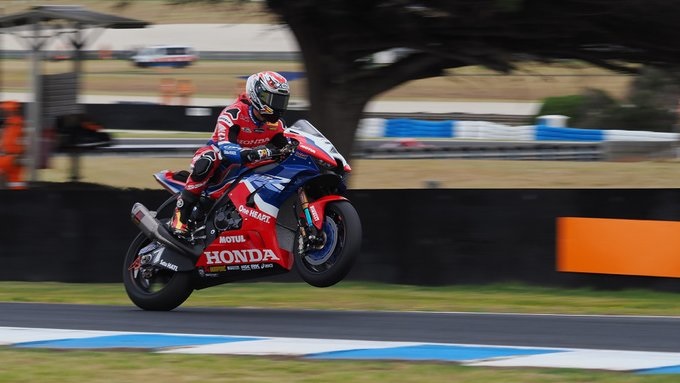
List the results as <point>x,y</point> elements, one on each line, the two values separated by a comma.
<point>643,117</point>
<point>650,105</point>
<point>656,87</point>
<point>562,105</point>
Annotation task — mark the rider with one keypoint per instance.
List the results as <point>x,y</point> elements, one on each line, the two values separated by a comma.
<point>248,130</point>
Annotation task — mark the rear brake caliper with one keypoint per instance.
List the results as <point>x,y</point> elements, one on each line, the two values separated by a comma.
<point>145,259</point>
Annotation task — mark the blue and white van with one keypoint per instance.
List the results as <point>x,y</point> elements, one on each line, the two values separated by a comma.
<point>165,55</point>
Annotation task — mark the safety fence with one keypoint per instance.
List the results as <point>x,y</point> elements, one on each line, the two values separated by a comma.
<point>80,233</point>
<point>485,130</point>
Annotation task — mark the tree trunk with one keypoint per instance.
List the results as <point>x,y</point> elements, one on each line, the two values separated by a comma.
<point>339,87</point>
<point>335,107</point>
<point>336,114</point>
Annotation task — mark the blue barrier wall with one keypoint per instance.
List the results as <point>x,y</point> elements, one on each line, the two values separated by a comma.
<point>550,133</point>
<point>480,130</point>
<point>400,127</point>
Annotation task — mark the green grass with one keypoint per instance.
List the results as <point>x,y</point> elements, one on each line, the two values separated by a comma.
<point>106,366</point>
<point>373,296</point>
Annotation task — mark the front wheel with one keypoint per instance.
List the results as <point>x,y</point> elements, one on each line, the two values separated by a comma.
<point>330,263</point>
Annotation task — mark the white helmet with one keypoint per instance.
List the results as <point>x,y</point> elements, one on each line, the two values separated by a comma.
<point>268,93</point>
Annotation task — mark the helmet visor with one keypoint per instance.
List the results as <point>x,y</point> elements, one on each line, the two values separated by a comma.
<point>275,101</point>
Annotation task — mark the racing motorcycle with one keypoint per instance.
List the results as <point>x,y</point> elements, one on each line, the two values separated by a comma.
<point>261,219</point>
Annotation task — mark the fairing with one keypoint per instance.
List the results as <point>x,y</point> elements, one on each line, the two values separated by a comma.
<point>257,193</point>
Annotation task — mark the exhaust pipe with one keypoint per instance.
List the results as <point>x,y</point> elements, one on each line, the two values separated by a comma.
<point>152,228</point>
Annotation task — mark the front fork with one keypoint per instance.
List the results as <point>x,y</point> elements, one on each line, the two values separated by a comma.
<point>310,237</point>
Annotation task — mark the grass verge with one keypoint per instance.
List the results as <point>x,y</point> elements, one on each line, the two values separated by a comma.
<point>105,366</point>
<point>373,296</point>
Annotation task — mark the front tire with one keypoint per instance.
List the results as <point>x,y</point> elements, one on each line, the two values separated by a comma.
<point>330,264</point>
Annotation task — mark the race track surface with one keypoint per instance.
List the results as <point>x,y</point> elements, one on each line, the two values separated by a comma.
<point>566,331</point>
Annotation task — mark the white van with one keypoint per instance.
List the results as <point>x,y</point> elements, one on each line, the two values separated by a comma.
<point>177,56</point>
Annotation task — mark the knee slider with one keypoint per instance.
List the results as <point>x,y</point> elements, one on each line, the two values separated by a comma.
<point>202,167</point>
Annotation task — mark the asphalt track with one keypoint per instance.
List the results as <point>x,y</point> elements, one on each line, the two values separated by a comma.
<point>639,333</point>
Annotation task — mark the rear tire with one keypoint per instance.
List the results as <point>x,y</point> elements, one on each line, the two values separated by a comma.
<point>329,265</point>
<point>164,291</point>
<point>167,289</point>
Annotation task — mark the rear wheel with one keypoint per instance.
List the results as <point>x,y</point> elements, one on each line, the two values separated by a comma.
<point>150,287</point>
<point>329,264</point>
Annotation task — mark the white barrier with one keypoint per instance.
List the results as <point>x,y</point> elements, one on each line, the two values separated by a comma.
<point>484,130</point>
<point>638,135</point>
<point>371,128</point>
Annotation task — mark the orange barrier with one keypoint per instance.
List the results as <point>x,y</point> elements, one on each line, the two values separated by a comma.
<point>185,90</point>
<point>168,87</point>
<point>618,246</point>
<point>171,88</point>
<point>11,146</point>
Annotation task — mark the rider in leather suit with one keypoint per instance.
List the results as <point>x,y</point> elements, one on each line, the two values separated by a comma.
<point>248,130</point>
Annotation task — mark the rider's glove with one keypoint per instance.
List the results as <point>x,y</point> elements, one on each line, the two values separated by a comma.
<point>259,153</point>
<point>230,152</point>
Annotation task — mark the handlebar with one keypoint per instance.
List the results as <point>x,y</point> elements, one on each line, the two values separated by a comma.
<point>285,151</point>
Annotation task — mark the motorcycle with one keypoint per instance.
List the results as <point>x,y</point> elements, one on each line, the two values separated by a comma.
<point>261,219</point>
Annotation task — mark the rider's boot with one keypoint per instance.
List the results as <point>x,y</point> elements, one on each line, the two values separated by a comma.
<point>180,218</point>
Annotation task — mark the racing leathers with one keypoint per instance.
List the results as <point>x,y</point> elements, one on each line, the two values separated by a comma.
<point>239,137</point>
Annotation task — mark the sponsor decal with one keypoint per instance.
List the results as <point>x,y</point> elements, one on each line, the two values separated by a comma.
<point>307,148</point>
<point>254,214</point>
<point>254,266</point>
<point>254,142</point>
<point>217,269</point>
<point>259,130</point>
<point>315,215</point>
<point>225,121</point>
<point>237,257</point>
<point>168,265</point>
<point>246,130</point>
<point>232,239</point>
<point>194,186</point>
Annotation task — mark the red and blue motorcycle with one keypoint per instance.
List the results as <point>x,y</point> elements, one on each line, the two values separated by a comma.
<point>267,218</point>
